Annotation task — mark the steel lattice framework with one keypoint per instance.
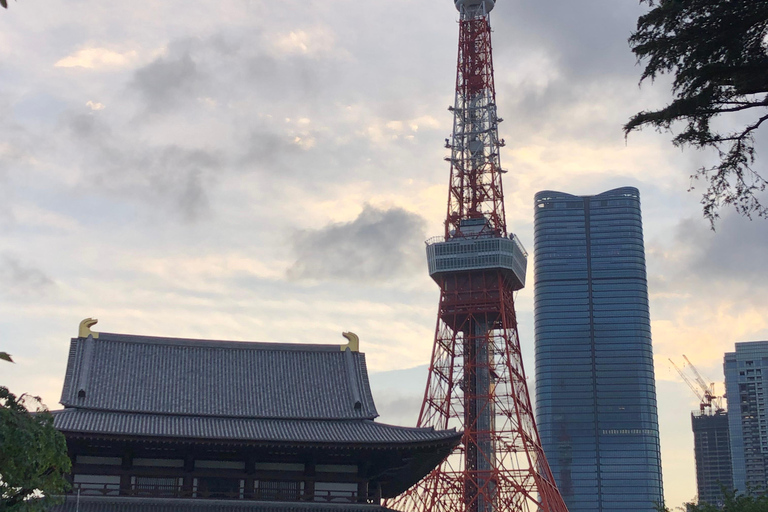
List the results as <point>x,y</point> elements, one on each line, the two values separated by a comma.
<point>476,379</point>
<point>475,188</point>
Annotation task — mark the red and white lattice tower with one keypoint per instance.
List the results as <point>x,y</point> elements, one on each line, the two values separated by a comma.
<point>476,379</point>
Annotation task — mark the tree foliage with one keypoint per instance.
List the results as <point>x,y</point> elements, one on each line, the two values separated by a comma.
<point>33,455</point>
<point>716,51</point>
<point>732,502</point>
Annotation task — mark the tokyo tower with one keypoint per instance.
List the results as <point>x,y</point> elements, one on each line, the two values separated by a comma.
<point>476,379</point>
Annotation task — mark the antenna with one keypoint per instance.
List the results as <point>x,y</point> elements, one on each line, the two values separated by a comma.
<point>476,380</point>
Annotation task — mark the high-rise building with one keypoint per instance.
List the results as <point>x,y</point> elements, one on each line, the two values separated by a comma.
<point>595,389</point>
<point>746,392</point>
<point>713,454</point>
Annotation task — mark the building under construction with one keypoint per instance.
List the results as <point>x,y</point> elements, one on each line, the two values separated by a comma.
<point>713,454</point>
<point>712,449</point>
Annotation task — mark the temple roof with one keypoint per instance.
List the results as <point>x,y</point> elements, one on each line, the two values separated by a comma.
<point>256,431</point>
<point>143,374</point>
<point>133,504</point>
<point>223,391</point>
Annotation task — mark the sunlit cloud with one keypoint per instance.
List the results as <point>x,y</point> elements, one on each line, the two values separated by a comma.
<point>97,58</point>
<point>310,41</point>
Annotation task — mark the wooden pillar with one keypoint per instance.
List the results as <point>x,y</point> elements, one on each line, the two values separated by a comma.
<point>363,472</point>
<point>309,480</point>
<point>250,469</point>
<point>125,472</point>
<point>72,454</point>
<point>189,472</point>
<point>362,491</point>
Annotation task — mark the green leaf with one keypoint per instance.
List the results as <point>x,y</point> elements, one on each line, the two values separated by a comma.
<point>4,3</point>
<point>5,356</point>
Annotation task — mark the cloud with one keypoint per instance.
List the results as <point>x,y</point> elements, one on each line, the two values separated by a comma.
<point>737,250</point>
<point>311,41</point>
<point>707,289</point>
<point>96,58</point>
<point>20,279</point>
<point>588,38</point>
<point>164,176</point>
<point>399,394</point>
<point>162,81</point>
<point>378,245</point>
<point>697,259</point>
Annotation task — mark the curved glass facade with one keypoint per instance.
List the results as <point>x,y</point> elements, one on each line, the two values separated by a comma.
<point>595,389</point>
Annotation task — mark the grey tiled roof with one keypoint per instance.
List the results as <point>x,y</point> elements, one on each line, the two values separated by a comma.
<point>130,504</point>
<point>143,374</point>
<point>246,429</point>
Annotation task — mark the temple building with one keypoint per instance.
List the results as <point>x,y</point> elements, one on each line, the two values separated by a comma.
<point>166,424</point>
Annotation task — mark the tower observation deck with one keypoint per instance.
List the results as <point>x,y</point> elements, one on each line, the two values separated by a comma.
<point>476,378</point>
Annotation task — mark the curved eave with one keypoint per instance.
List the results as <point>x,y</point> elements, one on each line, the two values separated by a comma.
<point>399,480</point>
<point>257,443</point>
<point>329,434</point>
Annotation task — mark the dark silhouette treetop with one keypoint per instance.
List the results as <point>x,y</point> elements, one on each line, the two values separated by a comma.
<point>716,51</point>
<point>732,502</point>
<point>33,455</point>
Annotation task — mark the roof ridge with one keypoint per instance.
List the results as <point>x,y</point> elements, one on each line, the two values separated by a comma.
<point>192,342</point>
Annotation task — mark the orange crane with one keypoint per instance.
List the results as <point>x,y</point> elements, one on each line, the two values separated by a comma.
<point>706,393</point>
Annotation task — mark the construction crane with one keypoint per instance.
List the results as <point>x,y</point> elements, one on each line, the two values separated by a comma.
<point>706,393</point>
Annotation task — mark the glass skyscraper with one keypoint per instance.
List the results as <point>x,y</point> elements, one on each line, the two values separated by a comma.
<point>747,391</point>
<point>595,389</point>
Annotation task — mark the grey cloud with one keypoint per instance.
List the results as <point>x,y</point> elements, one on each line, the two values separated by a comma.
<point>736,251</point>
<point>298,77</point>
<point>166,177</point>
<point>588,37</point>
<point>585,46</point>
<point>233,66</point>
<point>192,199</point>
<point>234,78</point>
<point>19,278</point>
<point>266,148</point>
<point>377,245</point>
<point>166,79</point>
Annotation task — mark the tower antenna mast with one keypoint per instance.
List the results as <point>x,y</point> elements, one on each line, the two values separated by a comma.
<point>476,379</point>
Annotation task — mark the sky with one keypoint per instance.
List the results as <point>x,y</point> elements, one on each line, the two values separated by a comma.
<point>268,171</point>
